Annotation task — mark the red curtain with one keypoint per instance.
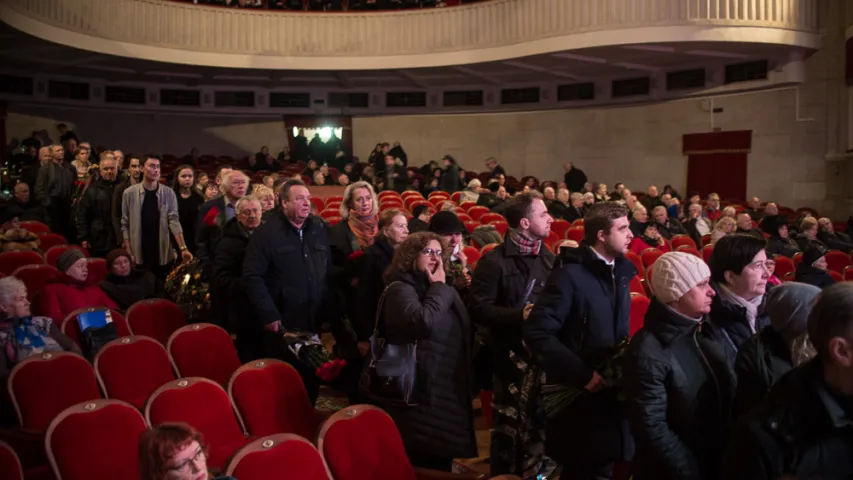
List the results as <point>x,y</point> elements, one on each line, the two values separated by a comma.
<point>717,163</point>
<point>314,121</point>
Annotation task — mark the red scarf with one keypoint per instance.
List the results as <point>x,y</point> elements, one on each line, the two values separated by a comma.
<point>364,229</point>
<point>526,246</point>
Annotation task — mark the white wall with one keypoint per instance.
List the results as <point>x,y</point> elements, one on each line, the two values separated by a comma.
<point>142,132</point>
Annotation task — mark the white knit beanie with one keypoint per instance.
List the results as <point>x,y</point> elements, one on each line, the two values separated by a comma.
<point>675,273</point>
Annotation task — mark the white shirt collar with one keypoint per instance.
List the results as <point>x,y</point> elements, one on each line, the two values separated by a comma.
<point>610,263</point>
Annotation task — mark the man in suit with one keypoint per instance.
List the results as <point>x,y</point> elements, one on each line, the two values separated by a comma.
<point>214,214</point>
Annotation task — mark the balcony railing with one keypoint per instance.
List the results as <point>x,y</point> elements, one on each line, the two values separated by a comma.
<point>463,34</point>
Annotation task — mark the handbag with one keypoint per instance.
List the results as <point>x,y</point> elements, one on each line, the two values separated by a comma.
<point>389,377</point>
<point>96,330</point>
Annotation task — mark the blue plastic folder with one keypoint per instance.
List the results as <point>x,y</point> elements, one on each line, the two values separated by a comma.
<point>94,319</point>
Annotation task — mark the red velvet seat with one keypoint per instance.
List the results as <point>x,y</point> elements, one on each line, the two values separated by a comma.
<point>472,253</point>
<point>837,261</point>
<point>49,240</point>
<point>270,398</point>
<point>455,196</point>
<point>131,368</point>
<point>836,276</point>
<point>707,250</point>
<point>71,327</point>
<point>797,258</point>
<point>477,211</point>
<point>43,385</point>
<point>682,240</point>
<point>203,350</point>
<point>10,464</point>
<point>11,261</point>
<point>205,406</point>
<point>35,227</point>
<point>389,194</point>
<point>155,318</point>
<point>500,225</point>
<point>333,205</point>
<point>487,218</point>
<point>578,223</point>
<point>636,285</point>
<point>437,201</point>
<point>848,273</point>
<point>362,442</point>
<point>639,305</point>
<point>464,217</point>
<point>35,277</point>
<point>706,240</point>
<point>438,194</point>
<point>650,256</point>
<point>560,227</point>
<point>637,261</point>
<point>95,439</point>
<point>411,194</point>
<point>97,269</point>
<point>467,205</point>
<point>471,226</point>
<point>556,246</point>
<point>279,456</point>
<point>53,253</point>
<point>575,233</point>
<point>784,265</point>
<point>318,202</point>
<point>689,249</point>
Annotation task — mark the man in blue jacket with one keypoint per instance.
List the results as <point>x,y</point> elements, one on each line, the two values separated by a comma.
<point>578,320</point>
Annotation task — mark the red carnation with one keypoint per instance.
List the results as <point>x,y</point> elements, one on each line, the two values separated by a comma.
<point>356,255</point>
<point>210,218</point>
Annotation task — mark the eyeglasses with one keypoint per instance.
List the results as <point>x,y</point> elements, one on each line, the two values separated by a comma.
<point>430,252</point>
<point>184,466</point>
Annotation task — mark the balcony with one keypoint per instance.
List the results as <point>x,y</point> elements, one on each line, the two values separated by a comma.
<point>169,31</point>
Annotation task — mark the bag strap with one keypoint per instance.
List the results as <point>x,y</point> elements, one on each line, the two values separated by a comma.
<point>380,306</point>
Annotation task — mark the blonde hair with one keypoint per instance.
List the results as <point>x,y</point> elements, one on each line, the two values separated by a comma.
<point>225,184</point>
<point>262,192</point>
<point>725,221</point>
<point>350,192</point>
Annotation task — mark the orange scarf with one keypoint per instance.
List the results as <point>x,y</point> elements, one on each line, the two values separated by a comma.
<point>364,229</point>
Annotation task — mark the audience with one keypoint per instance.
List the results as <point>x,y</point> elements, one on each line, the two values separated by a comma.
<point>813,269</point>
<point>832,239</point>
<point>649,237</point>
<point>214,214</point>
<point>779,243</point>
<point>73,288</point>
<point>725,225</point>
<point>125,284</point>
<point>94,211</point>
<point>189,202</point>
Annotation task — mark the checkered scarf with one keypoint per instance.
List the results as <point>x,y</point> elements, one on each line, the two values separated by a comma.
<point>526,246</point>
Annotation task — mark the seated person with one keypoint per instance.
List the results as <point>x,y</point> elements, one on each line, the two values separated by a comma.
<point>24,206</point>
<point>21,334</point>
<point>173,451</point>
<point>832,239</point>
<point>127,284</point>
<point>808,234</point>
<point>725,225</point>
<point>648,238</point>
<point>813,269</point>
<point>73,288</point>
<point>779,242</point>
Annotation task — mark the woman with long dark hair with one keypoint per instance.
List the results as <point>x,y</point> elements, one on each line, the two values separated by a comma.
<point>188,202</point>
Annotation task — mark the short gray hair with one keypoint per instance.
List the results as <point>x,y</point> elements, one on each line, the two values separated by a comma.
<point>238,207</point>
<point>658,208</point>
<point>475,184</point>
<point>576,196</point>
<point>9,286</point>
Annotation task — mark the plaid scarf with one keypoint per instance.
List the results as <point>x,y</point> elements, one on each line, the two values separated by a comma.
<point>526,246</point>
<point>364,229</point>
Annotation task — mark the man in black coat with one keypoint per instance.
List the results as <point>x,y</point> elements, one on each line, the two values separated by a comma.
<point>744,225</point>
<point>668,227</point>
<point>802,428</point>
<point>832,239</point>
<point>228,293</point>
<point>504,288</point>
<point>54,189</point>
<point>94,211</point>
<point>492,165</point>
<point>24,207</point>
<point>813,268</point>
<point>574,178</point>
<point>396,152</point>
<point>287,274</point>
<point>559,208</point>
<point>575,210</point>
<point>578,320</point>
<point>214,214</point>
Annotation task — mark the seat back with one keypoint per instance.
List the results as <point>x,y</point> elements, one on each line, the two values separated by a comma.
<point>10,464</point>
<point>837,261</point>
<point>707,250</point>
<point>155,318</point>
<point>35,227</point>
<point>12,261</point>
<point>639,306</point>
<point>202,404</point>
<point>637,261</point>
<point>278,453</point>
<point>51,255</point>
<point>650,256</point>
<point>500,225</point>
<point>43,385</point>
<point>472,254</point>
<point>362,442</point>
<point>97,269</point>
<point>71,327</point>
<point>636,285</point>
<point>797,258</point>
<point>131,368</point>
<point>560,227</point>
<point>477,211</point>
<point>106,430</point>
<point>575,233</point>
<point>203,350</point>
<point>784,265</point>
<point>490,217</point>
<point>836,276</point>
<point>706,239</point>
<point>270,398</point>
<point>690,250</point>
<point>35,276</point>
<point>49,240</point>
<point>682,240</point>
<point>848,274</point>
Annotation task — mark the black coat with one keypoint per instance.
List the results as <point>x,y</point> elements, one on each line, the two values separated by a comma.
<point>729,326</point>
<point>94,216</point>
<point>573,214</point>
<point>377,258</point>
<point>575,180</point>
<point>672,228</point>
<point>836,241</point>
<point>229,297</point>
<point>760,363</point>
<point>813,276</point>
<point>342,244</point>
<point>139,285</point>
<point>207,235</point>
<point>398,152</point>
<point>416,225</point>
<point>678,390</point>
<point>287,278</point>
<point>786,247</point>
<point>188,216</point>
<point>26,212</point>
<point>800,430</point>
<point>433,315</point>
<point>693,232</point>
<point>558,210</point>
<point>450,181</point>
<point>805,242</point>
<point>578,318</point>
<point>500,288</point>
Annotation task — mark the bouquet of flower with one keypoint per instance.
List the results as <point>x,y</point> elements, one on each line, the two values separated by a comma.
<point>556,397</point>
<point>307,348</point>
<point>185,285</point>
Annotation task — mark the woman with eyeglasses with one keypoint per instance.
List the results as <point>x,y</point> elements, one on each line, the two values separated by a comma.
<point>173,451</point>
<point>420,308</point>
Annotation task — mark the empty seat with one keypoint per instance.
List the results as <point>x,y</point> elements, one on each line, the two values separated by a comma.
<point>203,350</point>
<point>278,457</point>
<point>53,253</point>
<point>500,225</point>
<point>106,430</point>
<point>205,406</point>
<point>49,240</point>
<point>560,227</point>
<point>784,265</point>
<point>155,318</point>
<point>837,261</point>
<point>639,306</point>
<point>650,256</point>
<point>477,212</point>
<point>682,240</point>
<point>43,385</point>
<point>707,250</point>
<point>575,233</point>
<point>71,327</point>
<point>11,261</point>
<point>131,368</point>
<point>489,217</point>
<point>270,398</point>
<point>10,464</point>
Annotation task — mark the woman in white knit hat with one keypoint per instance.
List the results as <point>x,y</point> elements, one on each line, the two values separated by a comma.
<point>678,385</point>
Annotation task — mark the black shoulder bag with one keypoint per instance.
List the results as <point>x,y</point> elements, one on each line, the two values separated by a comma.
<point>389,377</point>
